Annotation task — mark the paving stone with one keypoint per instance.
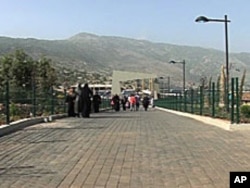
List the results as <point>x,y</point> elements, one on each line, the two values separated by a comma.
<point>123,149</point>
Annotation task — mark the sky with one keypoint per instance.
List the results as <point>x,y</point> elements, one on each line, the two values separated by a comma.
<point>161,21</point>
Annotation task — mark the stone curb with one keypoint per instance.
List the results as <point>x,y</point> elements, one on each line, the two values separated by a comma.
<point>20,124</point>
<point>223,124</point>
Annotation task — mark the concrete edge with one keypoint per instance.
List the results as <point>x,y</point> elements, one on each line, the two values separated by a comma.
<point>223,124</point>
<point>241,126</point>
<point>21,124</point>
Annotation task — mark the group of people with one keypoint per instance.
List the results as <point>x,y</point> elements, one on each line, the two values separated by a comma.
<point>79,101</point>
<point>131,102</point>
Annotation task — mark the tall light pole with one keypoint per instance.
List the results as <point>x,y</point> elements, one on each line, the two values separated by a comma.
<point>168,84</point>
<point>184,72</point>
<point>164,87</point>
<point>225,21</point>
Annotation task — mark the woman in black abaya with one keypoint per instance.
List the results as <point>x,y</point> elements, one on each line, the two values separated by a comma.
<point>86,95</point>
<point>70,100</point>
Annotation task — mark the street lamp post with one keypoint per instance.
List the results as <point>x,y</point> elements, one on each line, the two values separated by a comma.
<point>184,81</point>
<point>165,86</point>
<point>184,72</point>
<point>168,84</point>
<point>225,20</point>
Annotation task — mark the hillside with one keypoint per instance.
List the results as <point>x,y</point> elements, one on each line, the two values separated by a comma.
<point>102,54</point>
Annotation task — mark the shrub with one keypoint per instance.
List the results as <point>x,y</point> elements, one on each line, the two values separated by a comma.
<point>245,111</point>
<point>14,110</point>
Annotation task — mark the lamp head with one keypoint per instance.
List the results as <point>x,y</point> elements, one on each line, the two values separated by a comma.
<point>201,19</point>
<point>172,62</point>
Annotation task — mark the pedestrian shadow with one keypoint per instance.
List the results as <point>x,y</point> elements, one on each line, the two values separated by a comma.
<point>47,141</point>
<point>69,128</point>
<point>25,171</point>
<point>112,117</point>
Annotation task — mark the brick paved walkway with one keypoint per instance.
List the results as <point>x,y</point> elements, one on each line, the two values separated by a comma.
<point>125,149</point>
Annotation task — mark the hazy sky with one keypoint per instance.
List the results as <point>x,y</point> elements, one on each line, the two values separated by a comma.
<point>167,21</point>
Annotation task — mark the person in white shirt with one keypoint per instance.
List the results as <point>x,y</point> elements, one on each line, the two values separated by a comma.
<point>152,102</point>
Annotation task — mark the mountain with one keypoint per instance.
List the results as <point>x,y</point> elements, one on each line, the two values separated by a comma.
<point>103,54</point>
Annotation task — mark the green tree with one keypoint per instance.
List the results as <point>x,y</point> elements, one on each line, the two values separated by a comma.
<point>45,73</point>
<point>6,73</point>
<point>22,68</point>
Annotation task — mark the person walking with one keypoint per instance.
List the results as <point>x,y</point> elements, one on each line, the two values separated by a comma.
<point>152,102</point>
<point>70,100</point>
<point>112,103</point>
<point>145,102</point>
<point>137,102</point>
<point>97,100</point>
<point>128,103</point>
<point>132,102</point>
<point>116,100</point>
<point>86,95</point>
<point>78,103</point>
<point>123,102</point>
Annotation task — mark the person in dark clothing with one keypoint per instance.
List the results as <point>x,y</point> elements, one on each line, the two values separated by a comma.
<point>96,102</point>
<point>70,100</point>
<point>137,102</point>
<point>86,94</point>
<point>116,100</point>
<point>78,103</point>
<point>123,102</point>
<point>145,102</point>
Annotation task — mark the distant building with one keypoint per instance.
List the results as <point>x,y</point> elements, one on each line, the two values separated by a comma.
<point>100,87</point>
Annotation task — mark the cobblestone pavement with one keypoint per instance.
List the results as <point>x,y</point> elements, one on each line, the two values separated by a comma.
<point>124,149</point>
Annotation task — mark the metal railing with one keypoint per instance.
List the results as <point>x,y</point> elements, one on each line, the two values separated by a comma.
<point>20,103</point>
<point>206,102</point>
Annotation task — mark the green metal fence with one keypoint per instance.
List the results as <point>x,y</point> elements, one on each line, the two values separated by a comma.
<point>206,102</point>
<point>19,103</point>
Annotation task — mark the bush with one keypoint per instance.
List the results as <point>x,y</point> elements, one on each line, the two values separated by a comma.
<point>14,110</point>
<point>245,111</point>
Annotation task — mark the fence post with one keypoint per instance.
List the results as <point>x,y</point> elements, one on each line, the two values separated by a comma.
<point>7,102</point>
<point>64,102</point>
<point>52,100</point>
<point>232,100</point>
<point>176,101</point>
<point>34,99</point>
<point>185,101</point>
<point>192,100</point>
<point>180,102</point>
<point>237,102</point>
<point>196,107</point>
<point>201,99</point>
<point>213,99</point>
